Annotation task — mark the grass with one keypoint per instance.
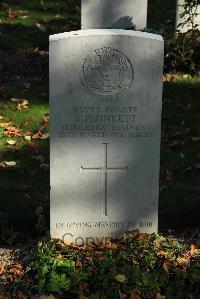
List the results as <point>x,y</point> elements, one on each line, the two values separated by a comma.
<point>26,187</point>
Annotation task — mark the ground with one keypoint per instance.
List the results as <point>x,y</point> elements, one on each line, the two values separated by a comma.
<point>24,130</point>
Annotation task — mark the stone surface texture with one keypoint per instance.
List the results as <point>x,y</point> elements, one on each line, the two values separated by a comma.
<point>117,14</point>
<point>105,98</point>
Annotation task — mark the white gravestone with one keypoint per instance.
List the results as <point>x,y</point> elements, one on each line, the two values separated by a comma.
<point>105,97</point>
<point>118,14</point>
<point>180,20</point>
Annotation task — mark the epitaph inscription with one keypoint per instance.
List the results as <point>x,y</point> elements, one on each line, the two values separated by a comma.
<point>107,73</point>
<point>104,170</point>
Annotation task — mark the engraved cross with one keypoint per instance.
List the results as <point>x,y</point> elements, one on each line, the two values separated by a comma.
<point>104,169</point>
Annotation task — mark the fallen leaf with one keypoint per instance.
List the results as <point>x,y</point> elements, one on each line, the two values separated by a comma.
<point>84,289</point>
<point>2,269</point>
<point>192,249</point>
<point>12,132</point>
<point>11,14</point>
<point>79,264</point>
<point>4,125</point>
<point>120,278</point>
<point>1,117</point>
<point>47,297</point>
<point>39,210</point>
<point>195,139</point>
<point>175,144</point>
<point>15,100</point>
<point>45,166</point>
<point>38,158</point>
<point>168,176</point>
<point>32,144</point>
<point>130,234</point>
<point>27,137</point>
<point>46,118</point>
<point>37,136</point>
<point>3,93</point>
<point>40,26</point>
<point>135,295</point>
<point>159,296</point>
<point>197,166</point>
<point>17,270</point>
<point>45,136</point>
<point>188,169</point>
<point>23,105</point>
<point>183,261</point>
<point>8,164</point>
<point>26,124</point>
<point>11,142</point>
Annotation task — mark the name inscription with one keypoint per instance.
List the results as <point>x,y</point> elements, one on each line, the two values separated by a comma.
<point>108,121</point>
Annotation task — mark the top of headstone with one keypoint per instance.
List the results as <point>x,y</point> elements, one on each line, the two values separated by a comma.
<point>96,32</point>
<point>113,14</point>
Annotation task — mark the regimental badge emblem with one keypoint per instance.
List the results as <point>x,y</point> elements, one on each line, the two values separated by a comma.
<point>107,73</point>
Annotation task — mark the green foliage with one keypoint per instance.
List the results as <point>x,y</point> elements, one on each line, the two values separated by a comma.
<point>55,273</point>
<point>182,52</point>
<point>150,264</point>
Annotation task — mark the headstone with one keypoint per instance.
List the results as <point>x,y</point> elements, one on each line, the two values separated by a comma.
<point>180,20</point>
<point>118,14</point>
<point>105,97</point>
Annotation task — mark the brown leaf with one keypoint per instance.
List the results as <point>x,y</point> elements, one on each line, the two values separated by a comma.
<point>17,270</point>
<point>197,166</point>
<point>159,296</point>
<point>11,14</point>
<point>1,117</point>
<point>15,100</point>
<point>46,118</point>
<point>192,250</point>
<point>183,261</point>
<point>23,105</point>
<point>79,264</point>
<point>47,297</point>
<point>12,132</point>
<point>135,295</point>
<point>32,144</point>
<point>45,136</point>
<point>5,125</point>
<point>26,124</point>
<point>168,176</point>
<point>38,158</point>
<point>3,93</point>
<point>130,234</point>
<point>2,269</point>
<point>165,265</point>
<point>7,165</point>
<point>45,166</point>
<point>84,289</point>
<point>195,139</point>
<point>37,136</point>
<point>27,137</point>
<point>174,144</point>
<point>11,142</point>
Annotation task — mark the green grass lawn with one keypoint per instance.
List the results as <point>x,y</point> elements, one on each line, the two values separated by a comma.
<point>26,187</point>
